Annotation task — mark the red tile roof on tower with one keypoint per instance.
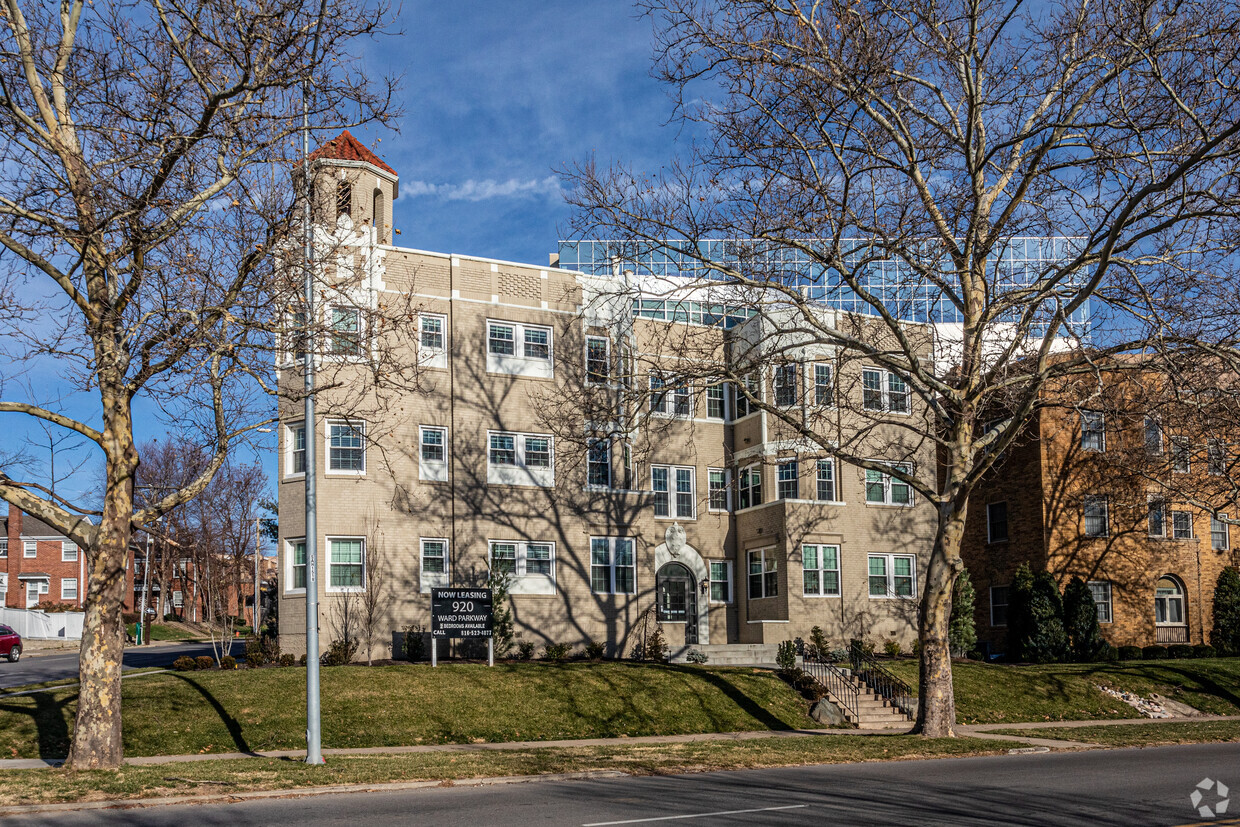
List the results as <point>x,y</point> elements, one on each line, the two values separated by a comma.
<point>344,147</point>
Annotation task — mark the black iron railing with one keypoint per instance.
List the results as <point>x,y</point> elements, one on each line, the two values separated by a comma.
<point>842,690</point>
<point>884,684</point>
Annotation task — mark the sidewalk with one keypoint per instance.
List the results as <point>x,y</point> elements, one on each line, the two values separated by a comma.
<point>984,731</point>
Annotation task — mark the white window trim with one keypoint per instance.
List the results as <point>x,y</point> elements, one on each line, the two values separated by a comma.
<point>590,443</point>
<point>290,545</point>
<point>327,447</point>
<point>1109,601</point>
<point>1189,516</point>
<point>1222,520</point>
<point>1106,515</point>
<point>798,380</point>
<point>727,491</point>
<point>331,353</point>
<point>887,502</point>
<point>835,482</point>
<point>433,470</point>
<point>711,581</point>
<point>607,357</point>
<point>30,549</point>
<point>327,581</point>
<point>727,405</point>
<point>290,430</point>
<point>1181,447</point>
<point>891,577</point>
<point>812,382</point>
<point>671,492</point>
<point>885,389</point>
<point>522,580</point>
<point>764,552</point>
<point>4,548</point>
<point>1007,523</point>
<point>670,390</point>
<point>780,462</point>
<point>611,563</point>
<point>1102,431</point>
<point>518,363</point>
<point>519,473</point>
<point>755,385</point>
<point>64,595</point>
<point>745,476</point>
<point>433,579</point>
<point>433,357</point>
<point>839,579</point>
<point>65,545</point>
<point>992,605</point>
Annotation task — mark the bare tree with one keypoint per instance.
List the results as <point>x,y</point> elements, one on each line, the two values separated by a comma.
<point>146,154</point>
<point>1045,185</point>
<point>376,599</point>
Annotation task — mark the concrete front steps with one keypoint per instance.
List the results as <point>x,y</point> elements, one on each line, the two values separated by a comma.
<point>873,710</point>
<point>730,654</point>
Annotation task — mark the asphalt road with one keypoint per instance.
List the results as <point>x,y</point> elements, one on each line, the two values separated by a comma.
<point>36,668</point>
<point>1120,787</point>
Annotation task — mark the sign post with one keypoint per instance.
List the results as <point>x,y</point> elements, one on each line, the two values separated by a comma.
<point>462,613</point>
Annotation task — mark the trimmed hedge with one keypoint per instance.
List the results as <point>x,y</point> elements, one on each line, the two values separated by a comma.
<point>1180,651</point>
<point>185,664</point>
<point>1130,653</point>
<point>1204,650</point>
<point>1154,653</point>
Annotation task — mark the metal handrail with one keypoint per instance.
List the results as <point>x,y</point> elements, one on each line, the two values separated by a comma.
<point>843,690</point>
<point>884,684</point>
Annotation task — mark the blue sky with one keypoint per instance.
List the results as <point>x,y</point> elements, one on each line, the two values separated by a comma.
<point>495,97</point>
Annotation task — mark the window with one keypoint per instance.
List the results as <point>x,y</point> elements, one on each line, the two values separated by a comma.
<point>719,489</point>
<point>598,463</point>
<point>823,392</point>
<point>1153,436</point>
<point>178,599</point>
<point>521,558</point>
<point>673,402</point>
<point>1220,533</point>
<point>520,459</point>
<point>523,349</point>
<point>999,605</point>
<point>826,481</point>
<point>746,394</point>
<point>295,462</point>
<point>882,488</point>
<point>68,588</point>
<point>820,570</point>
<point>662,477</point>
<point>1158,518</point>
<point>346,331</point>
<point>296,577</point>
<point>1180,455</point>
<point>30,548</point>
<point>433,444</point>
<point>344,199</point>
<point>720,581</point>
<point>430,329</point>
<point>1216,458</point>
<point>346,562</point>
<point>611,565</point>
<point>785,385</point>
<point>763,574</point>
<point>1095,518</point>
<point>1168,602</point>
<point>4,547</point>
<point>1093,431</point>
<point>996,522</point>
<point>296,334</point>
<point>1182,525</point>
<point>1101,590</point>
<point>68,552</point>
<point>787,484</point>
<point>716,407</point>
<point>598,360</point>
<point>891,575</point>
<point>749,489</point>
<point>346,447</point>
<point>501,340</point>
<point>434,571</point>
<point>882,390</point>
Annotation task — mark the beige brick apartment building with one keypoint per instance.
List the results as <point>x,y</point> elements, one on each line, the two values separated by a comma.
<point>551,437</point>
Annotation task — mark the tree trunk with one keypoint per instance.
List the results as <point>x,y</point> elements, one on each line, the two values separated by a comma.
<point>936,708</point>
<point>97,728</point>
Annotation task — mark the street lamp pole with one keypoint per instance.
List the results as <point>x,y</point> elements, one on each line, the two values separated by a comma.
<point>314,754</point>
<point>257,619</point>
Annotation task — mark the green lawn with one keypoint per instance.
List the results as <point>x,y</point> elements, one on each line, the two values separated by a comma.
<point>193,712</point>
<point>161,632</point>
<point>995,693</point>
<point>46,786</point>
<point>1139,735</point>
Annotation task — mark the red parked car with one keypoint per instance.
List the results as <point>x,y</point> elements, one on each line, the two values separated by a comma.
<point>10,644</point>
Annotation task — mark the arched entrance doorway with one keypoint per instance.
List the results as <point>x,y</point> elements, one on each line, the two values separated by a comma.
<point>676,591</point>
<point>1170,625</point>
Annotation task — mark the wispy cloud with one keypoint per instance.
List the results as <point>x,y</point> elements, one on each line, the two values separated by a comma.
<point>485,189</point>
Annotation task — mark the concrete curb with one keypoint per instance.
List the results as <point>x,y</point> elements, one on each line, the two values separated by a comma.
<point>394,786</point>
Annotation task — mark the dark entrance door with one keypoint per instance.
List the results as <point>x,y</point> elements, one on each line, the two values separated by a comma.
<point>677,598</point>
